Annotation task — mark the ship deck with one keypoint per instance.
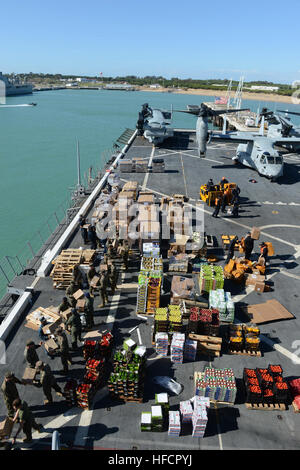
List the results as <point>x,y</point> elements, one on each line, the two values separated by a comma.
<point>275,207</point>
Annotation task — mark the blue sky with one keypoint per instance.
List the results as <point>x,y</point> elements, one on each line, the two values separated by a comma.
<point>186,39</point>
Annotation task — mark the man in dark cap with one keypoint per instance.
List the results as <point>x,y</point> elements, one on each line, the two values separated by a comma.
<point>62,341</point>
<point>26,419</point>
<point>75,323</point>
<point>30,353</point>
<point>47,381</point>
<point>10,391</point>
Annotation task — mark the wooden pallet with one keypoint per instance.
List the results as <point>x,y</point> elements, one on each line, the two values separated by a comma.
<point>127,399</point>
<point>246,353</point>
<point>266,407</point>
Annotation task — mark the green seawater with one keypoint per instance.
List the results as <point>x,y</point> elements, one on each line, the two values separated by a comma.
<point>38,149</point>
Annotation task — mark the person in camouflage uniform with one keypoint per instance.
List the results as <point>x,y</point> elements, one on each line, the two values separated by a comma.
<point>125,255</point>
<point>62,342</point>
<point>89,310</point>
<point>77,277</point>
<point>26,420</point>
<point>75,323</point>
<point>10,391</point>
<point>103,290</point>
<point>90,275</point>
<point>112,276</point>
<point>30,353</point>
<point>69,293</point>
<point>48,381</point>
<point>64,305</point>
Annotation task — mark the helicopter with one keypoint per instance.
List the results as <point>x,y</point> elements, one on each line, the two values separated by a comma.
<point>257,151</point>
<point>152,123</point>
<point>279,126</point>
<point>204,113</point>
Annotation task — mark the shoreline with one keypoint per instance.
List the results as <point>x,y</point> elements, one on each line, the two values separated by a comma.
<point>204,92</point>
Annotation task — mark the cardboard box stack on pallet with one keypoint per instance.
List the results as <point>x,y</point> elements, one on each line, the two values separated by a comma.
<point>182,288</point>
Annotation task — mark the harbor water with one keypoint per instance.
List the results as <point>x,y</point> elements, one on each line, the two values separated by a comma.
<point>38,159</point>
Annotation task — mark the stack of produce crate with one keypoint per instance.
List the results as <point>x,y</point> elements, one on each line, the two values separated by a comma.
<point>177,346</point>
<point>266,386</point>
<point>199,417</point>
<point>175,318</point>
<point>146,419</point>
<point>126,382</point>
<point>70,392</point>
<point>190,350</point>
<point>204,321</point>
<point>157,420</point>
<point>174,424</point>
<point>244,338</point>
<point>222,301</point>
<point>161,322</point>
<point>211,278</point>
<point>186,411</point>
<point>153,294</point>
<point>95,370</point>
<point>85,393</point>
<point>162,400</point>
<point>142,293</point>
<point>217,384</point>
<point>162,344</point>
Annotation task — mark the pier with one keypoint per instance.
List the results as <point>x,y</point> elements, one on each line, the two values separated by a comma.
<point>236,121</point>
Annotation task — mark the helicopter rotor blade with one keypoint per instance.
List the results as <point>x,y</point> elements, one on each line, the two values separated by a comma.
<point>288,112</point>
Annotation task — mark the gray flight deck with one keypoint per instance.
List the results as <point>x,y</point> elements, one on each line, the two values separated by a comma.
<point>275,207</point>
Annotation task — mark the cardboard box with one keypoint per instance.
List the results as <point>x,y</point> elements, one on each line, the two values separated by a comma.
<point>78,294</point>
<point>51,345</point>
<point>94,281</point>
<point>66,314</point>
<point>51,327</point>
<point>6,427</point>
<point>259,286</point>
<point>255,233</point>
<point>80,305</point>
<point>252,279</point>
<point>29,375</point>
<point>269,311</point>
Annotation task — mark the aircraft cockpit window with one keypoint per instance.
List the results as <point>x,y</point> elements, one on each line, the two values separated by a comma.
<point>167,115</point>
<point>271,160</point>
<point>263,159</point>
<point>278,160</point>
